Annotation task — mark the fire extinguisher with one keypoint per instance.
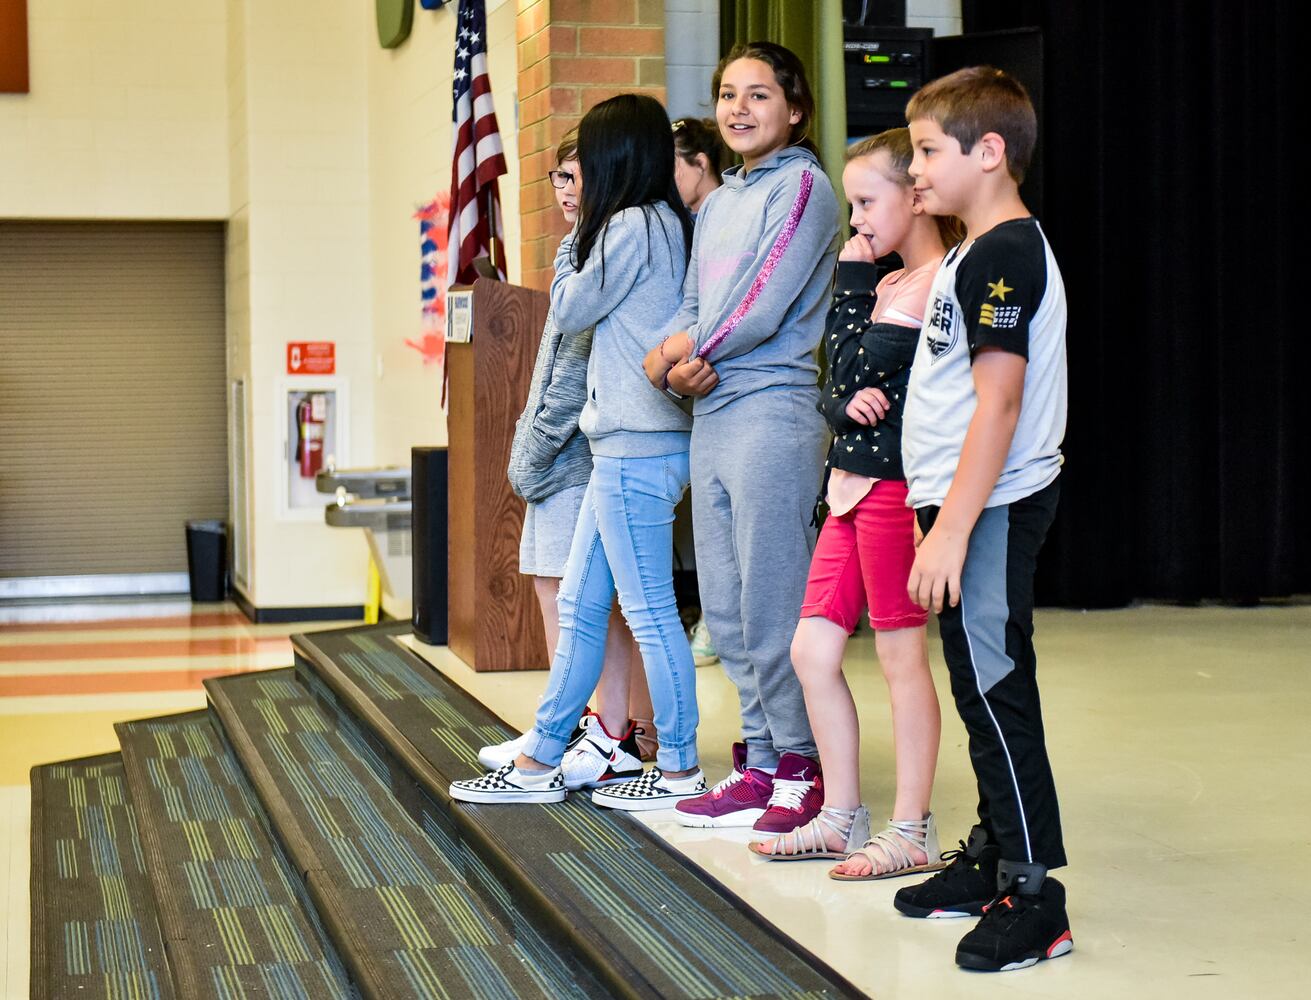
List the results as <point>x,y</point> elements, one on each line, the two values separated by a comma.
<point>311,417</point>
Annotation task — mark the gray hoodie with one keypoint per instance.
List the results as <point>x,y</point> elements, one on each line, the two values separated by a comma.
<point>643,252</point>
<point>758,286</point>
<point>549,453</point>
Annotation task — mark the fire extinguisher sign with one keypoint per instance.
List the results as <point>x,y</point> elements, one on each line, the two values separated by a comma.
<point>311,358</point>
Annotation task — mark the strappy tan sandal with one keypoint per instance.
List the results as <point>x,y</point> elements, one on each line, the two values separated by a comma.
<point>807,843</point>
<point>918,833</point>
<point>647,744</point>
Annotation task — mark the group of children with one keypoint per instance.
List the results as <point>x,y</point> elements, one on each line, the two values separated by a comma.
<point>682,351</point>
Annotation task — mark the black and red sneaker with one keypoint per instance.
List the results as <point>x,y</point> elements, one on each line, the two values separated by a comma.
<point>1021,928</point>
<point>962,889</point>
<point>598,758</point>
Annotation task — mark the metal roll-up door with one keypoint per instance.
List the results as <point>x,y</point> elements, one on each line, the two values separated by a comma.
<point>113,428</point>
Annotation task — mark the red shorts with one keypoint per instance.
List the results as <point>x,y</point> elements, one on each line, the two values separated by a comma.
<point>862,560</point>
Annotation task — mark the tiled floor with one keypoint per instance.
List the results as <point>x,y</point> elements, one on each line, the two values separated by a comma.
<point>1177,735</point>
<point>68,672</point>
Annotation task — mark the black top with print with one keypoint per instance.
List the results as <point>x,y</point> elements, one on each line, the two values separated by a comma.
<point>862,353</point>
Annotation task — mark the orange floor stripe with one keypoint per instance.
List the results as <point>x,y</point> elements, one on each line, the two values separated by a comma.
<point>143,649</point>
<point>169,680</point>
<point>197,620</point>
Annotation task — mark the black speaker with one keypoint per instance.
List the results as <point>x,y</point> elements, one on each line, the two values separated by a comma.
<point>428,487</point>
<point>883,67</point>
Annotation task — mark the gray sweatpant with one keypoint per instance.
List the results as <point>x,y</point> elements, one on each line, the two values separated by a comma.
<point>756,469</point>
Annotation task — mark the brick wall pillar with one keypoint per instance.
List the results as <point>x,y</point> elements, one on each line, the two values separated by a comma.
<point>574,54</point>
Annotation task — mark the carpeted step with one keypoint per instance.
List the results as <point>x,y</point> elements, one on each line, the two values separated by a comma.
<point>234,915</point>
<point>403,917</point>
<point>648,921</point>
<point>94,930</point>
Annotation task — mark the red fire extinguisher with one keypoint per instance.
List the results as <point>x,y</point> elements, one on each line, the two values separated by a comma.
<point>311,417</point>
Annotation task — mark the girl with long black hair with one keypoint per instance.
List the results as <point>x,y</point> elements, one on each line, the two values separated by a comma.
<point>622,271</point>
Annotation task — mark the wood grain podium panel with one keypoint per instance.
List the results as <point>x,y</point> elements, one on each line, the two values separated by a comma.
<point>495,623</point>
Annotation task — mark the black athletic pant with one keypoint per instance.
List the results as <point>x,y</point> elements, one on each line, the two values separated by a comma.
<point>987,640</point>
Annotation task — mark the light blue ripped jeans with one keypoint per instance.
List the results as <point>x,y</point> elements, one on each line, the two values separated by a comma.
<point>624,541</point>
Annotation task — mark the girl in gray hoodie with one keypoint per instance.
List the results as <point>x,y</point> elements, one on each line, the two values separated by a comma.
<point>744,346</point>
<point>621,271</point>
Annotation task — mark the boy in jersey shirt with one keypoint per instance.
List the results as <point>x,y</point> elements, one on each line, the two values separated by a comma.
<point>984,419</point>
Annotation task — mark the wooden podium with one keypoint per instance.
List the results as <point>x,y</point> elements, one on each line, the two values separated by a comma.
<point>495,623</point>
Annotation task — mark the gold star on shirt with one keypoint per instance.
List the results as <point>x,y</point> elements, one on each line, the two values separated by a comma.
<point>998,289</point>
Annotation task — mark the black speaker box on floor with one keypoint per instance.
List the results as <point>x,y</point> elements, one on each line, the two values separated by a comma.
<point>428,487</point>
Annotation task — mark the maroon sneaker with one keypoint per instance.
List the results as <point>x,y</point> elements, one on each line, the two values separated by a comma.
<point>738,800</point>
<point>797,798</point>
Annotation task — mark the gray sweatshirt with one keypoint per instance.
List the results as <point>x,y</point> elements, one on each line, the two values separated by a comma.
<point>758,286</point>
<point>643,251</point>
<point>549,453</point>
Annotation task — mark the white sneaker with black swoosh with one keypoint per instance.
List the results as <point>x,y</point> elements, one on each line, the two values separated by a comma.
<point>508,785</point>
<point>597,758</point>
<point>651,791</point>
<point>499,754</point>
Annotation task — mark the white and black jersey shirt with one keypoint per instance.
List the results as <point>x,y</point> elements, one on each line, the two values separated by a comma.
<point>1002,290</point>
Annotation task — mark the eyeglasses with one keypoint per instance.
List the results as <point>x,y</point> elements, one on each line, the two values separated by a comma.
<point>561,178</point>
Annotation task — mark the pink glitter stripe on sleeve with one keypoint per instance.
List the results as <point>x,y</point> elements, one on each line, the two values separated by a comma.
<point>775,254</point>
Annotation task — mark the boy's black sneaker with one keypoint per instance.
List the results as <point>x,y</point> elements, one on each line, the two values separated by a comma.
<point>962,889</point>
<point>1018,929</point>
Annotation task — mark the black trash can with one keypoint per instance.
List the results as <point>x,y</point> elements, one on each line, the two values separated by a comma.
<point>207,560</point>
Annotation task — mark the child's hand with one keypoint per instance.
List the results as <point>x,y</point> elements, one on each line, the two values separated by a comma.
<point>669,352</point>
<point>868,406</point>
<point>859,249</point>
<point>656,367</point>
<point>935,577</point>
<point>693,377</point>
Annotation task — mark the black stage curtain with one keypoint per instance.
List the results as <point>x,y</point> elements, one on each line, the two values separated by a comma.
<point>1172,192</point>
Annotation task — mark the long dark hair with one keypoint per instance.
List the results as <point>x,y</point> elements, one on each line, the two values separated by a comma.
<point>627,154</point>
<point>789,74</point>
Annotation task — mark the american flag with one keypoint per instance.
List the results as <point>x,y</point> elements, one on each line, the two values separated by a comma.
<point>477,159</point>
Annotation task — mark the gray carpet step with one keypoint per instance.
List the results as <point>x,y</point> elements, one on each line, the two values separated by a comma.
<point>402,913</point>
<point>94,929</point>
<point>643,918</point>
<point>234,915</point>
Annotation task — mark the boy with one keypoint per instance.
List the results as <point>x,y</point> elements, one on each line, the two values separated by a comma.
<point>985,414</point>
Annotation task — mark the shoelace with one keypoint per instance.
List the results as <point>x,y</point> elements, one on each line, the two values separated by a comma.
<point>788,794</point>
<point>1004,911</point>
<point>957,858</point>
<point>725,784</point>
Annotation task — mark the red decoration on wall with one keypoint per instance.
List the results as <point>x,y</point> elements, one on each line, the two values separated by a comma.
<point>433,218</point>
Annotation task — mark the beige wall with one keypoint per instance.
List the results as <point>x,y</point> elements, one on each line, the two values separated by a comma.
<point>943,16</point>
<point>127,116</point>
<point>409,162</point>
<point>298,267</point>
<point>289,121</point>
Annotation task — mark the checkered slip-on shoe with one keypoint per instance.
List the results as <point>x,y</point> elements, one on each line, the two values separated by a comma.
<point>509,784</point>
<point>651,791</point>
